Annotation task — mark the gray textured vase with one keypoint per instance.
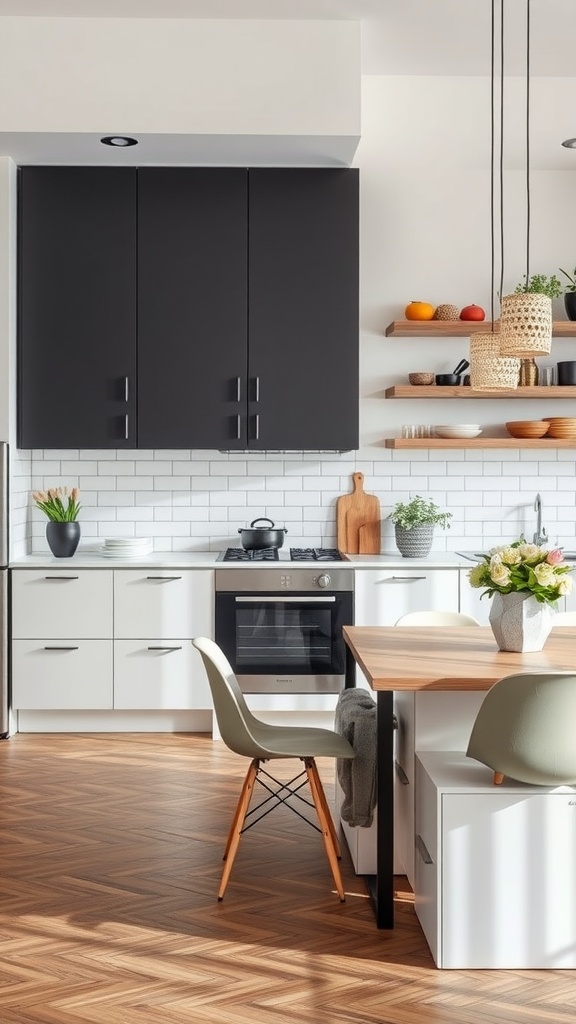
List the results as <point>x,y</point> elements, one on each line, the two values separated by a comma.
<point>520,622</point>
<point>63,538</point>
<point>414,543</point>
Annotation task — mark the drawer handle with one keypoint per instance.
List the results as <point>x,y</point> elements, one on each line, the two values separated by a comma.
<point>423,850</point>
<point>164,648</point>
<point>65,578</point>
<point>61,648</point>
<point>404,579</point>
<point>166,579</point>
<point>401,774</point>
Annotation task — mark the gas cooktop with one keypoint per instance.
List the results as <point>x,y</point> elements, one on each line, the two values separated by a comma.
<point>278,555</point>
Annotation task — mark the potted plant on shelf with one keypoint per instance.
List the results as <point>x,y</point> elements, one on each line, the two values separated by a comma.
<point>62,507</point>
<point>541,285</point>
<point>414,523</point>
<point>525,581</point>
<point>570,294</point>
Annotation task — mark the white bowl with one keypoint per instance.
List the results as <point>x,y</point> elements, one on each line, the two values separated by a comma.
<point>463,430</point>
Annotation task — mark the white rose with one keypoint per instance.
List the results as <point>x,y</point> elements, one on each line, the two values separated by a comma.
<point>510,556</point>
<point>565,586</point>
<point>499,573</point>
<point>529,552</point>
<point>545,574</point>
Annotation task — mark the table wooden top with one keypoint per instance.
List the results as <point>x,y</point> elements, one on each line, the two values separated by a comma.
<point>449,658</point>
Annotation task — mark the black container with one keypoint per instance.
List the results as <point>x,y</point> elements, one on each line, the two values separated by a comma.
<point>447,378</point>
<point>63,538</point>
<point>258,537</point>
<point>566,372</point>
<point>570,305</point>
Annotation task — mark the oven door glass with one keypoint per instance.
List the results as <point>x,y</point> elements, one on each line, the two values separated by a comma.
<point>300,634</point>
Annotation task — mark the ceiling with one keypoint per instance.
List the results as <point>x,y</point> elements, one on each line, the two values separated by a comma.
<point>400,37</point>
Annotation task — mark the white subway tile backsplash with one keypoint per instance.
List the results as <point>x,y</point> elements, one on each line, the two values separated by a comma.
<point>188,500</point>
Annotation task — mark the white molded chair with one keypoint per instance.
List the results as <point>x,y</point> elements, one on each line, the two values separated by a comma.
<point>526,729</point>
<point>247,735</point>
<point>436,619</point>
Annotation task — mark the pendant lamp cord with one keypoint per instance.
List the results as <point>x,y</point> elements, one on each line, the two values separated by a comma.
<point>527,142</point>
<point>501,151</point>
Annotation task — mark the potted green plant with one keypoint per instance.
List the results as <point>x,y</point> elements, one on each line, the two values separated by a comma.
<point>570,293</point>
<point>542,285</point>
<point>414,523</point>
<point>62,507</point>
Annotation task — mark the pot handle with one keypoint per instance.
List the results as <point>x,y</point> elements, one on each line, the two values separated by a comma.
<point>462,365</point>
<point>262,519</point>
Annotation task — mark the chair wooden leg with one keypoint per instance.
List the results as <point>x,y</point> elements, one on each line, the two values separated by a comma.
<point>498,778</point>
<point>326,824</point>
<point>327,811</point>
<point>237,824</point>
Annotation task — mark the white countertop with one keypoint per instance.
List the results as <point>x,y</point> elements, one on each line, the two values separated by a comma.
<point>91,558</point>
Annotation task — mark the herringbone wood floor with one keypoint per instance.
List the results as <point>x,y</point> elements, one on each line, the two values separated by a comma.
<point>110,855</point>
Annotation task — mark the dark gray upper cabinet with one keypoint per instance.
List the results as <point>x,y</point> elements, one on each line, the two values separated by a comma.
<point>303,309</point>
<point>192,307</point>
<point>244,288</point>
<point>77,307</point>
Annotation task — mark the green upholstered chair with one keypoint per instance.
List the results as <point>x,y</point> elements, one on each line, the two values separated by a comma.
<point>248,736</point>
<point>526,729</point>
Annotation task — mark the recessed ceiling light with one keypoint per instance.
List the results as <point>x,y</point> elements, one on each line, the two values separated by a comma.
<point>119,140</point>
<point>569,143</point>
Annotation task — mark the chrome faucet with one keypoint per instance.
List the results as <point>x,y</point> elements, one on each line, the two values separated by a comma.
<point>540,537</point>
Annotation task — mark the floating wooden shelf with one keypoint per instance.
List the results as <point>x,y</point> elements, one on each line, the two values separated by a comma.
<point>479,442</point>
<point>435,391</point>
<point>461,328</point>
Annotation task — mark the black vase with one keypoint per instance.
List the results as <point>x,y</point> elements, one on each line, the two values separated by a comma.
<point>570,305</point>
<point>63,538</point>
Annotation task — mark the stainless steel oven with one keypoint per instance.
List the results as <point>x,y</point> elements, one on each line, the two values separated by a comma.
<point>281,627</point>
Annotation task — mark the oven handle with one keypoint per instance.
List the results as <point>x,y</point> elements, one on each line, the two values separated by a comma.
<point>286,600</point>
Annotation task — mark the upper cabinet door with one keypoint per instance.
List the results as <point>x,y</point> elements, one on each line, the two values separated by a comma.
<point>192,307</point>
<point>77,307</point>
<point>303,309</point>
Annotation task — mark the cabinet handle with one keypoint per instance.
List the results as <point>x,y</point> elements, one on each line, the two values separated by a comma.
<point>61,648</point>
<point>126,427</point>
<point>64,578</point>
<point>257,431</point>
<point>238,427</point>
<point>423,850</point>
<point>164,648</point>
<point>404,579</point>
<point>126,388</point>
<point>238,389</point>
<point>401,774</point>
<point>257,389</point>
<point>165,579</point>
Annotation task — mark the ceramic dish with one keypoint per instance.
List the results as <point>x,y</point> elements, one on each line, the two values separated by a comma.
<point>527,428</point>
<point>455,430</point>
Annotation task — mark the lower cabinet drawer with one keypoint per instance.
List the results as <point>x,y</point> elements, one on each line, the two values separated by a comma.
<point>159,674</point>
<point>61,674</point>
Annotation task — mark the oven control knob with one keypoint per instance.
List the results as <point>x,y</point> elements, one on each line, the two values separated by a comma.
<point>324,580</point>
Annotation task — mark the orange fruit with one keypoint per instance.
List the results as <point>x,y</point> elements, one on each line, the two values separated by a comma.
<point>419,311</point>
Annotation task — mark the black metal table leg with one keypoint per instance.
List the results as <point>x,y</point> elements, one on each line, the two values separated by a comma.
<point>381,885</point>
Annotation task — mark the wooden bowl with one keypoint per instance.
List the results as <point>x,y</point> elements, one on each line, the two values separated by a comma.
<point>528,428</point>
<point>421,378</point>
<point>561,426</point>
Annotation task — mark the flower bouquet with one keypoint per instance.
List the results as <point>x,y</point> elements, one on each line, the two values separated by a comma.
<point>525,581</point>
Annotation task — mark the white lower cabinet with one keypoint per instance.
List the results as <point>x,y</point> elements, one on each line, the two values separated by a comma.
<point>495,867</point>
<point>110,639</point>
<point>62,674</point>
<point>160,674</point>
<point>383,595</point>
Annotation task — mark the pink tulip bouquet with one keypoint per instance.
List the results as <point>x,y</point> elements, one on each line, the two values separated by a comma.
<point>60,504</point>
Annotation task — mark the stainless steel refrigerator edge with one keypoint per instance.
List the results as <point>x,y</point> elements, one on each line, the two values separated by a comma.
<point>4,556</point>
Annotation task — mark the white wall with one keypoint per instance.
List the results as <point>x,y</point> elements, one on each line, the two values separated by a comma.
<point>425,235</point>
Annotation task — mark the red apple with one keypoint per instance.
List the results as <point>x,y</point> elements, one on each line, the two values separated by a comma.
<point>472,313</point>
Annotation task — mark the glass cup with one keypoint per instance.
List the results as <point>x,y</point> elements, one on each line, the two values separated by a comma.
<point>547,375</point>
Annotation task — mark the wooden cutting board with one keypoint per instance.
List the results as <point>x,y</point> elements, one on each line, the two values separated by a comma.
<point>358,520</point>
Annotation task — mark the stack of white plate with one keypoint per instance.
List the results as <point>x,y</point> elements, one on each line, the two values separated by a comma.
<point>458,430</point>
<point>126,547</point>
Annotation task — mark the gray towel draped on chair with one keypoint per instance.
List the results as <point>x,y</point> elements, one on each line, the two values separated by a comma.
<point>355,719</point>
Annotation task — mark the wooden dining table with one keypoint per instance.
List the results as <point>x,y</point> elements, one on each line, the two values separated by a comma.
<point>395,658</point>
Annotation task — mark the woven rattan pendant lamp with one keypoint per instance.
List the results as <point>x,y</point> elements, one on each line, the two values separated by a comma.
<point>526,317</point>
<point>488,368</point>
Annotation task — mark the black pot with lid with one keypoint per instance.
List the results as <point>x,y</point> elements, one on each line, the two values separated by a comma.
<point>255,538</point>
